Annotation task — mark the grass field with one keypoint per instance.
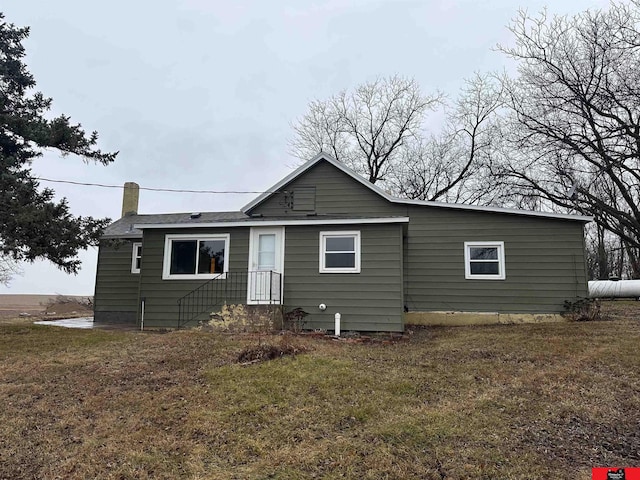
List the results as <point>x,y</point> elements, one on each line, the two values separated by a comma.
<point>498,402</point>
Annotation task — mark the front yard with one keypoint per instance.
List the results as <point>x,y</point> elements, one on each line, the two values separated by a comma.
<point>508,402</point>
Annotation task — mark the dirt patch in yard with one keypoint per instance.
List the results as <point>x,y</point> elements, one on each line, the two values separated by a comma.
<point>68,309</point>
<point>622,309</point>
<point>43,307</point>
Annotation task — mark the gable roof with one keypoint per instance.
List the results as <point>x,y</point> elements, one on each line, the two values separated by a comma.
<point>351,173</point>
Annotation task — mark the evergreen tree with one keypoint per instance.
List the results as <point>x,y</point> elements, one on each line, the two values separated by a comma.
<point>32,224</point>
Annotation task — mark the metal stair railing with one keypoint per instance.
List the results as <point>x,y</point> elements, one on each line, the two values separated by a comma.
<point>230,287</point>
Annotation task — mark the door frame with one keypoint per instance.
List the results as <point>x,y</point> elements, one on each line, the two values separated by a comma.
<point>252,260</point>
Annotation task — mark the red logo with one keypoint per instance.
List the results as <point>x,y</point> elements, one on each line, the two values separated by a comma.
<point>615,473</point>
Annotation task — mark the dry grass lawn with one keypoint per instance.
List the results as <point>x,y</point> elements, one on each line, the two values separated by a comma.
<point>498,402</point>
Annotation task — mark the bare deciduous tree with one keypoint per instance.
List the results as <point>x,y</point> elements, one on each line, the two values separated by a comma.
<point>368,129</point>
<point>9,268</point>
<point>575,114</point>
<point>456,165</point>
<point>378,130</point>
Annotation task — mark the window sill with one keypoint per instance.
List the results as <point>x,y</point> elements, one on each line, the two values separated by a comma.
<point>217,276</point>
<point>339,270</point>
<point>485,277</point>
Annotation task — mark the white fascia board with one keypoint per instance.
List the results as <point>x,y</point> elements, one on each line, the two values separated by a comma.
<point>478,208</point>
<point>128,235</point>
<point>275,223</point>
<point>340,166</point>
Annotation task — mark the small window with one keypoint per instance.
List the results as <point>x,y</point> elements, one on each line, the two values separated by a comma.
<point>195,256</point>
<point>136,257</point>
<point>484,260</point>
<point>339,252</point>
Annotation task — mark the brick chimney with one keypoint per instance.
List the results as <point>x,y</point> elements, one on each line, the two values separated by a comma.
<point>130,196</point>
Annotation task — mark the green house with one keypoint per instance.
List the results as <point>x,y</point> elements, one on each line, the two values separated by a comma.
<point>327,241</point>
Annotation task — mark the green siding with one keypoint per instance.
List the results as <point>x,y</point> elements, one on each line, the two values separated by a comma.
<point>367,301</point>
<point>335,193</point>
<point>370,300</point>
<point>544,256</point>
<point>419,265</point>
<point>161,296</point>
<point>304,199</point>
<point>544,262</point>
<point>116,290</point>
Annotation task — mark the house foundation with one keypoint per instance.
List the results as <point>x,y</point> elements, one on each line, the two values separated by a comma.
<point>478,318</point>
<point>240,318</point>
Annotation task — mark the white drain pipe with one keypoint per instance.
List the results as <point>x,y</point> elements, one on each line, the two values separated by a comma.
<point>142,317</point>
<point>337,317</point>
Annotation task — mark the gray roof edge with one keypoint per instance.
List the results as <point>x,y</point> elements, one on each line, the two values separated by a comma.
<point>512,211</point>
<point>124,235</point>
<point>460,206</point>
<point>277,222</point>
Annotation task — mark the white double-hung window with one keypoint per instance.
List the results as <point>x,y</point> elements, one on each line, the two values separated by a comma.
<point>340,252</point>
<point>136,257</point>
<point>195,256</point>
<point>484,260</point>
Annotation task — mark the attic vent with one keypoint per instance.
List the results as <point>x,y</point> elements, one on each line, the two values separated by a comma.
<point>196,215</point>
<point>304,199</point>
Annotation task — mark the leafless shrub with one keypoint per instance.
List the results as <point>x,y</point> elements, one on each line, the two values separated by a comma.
<point>295,319</point>
<point>239,318</point>
<point>583,310</point>
<point>264,351</point>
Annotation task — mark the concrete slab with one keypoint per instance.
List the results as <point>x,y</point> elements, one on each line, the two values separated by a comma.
<point>82,322</point>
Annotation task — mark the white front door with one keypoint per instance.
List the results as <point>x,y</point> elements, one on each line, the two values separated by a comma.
<point>266,265</point>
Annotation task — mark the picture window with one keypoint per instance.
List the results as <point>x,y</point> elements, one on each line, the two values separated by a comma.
<point>194,256</point>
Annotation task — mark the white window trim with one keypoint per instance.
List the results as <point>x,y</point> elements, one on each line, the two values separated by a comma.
<point>135,256</point>
<point>166,265</point>
<point>344,233</point>
<point>467,261</point>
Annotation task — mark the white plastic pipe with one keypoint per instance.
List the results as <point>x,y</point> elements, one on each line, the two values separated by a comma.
<point>614,289</point>
<point>337,317</point>
<point>142,318</point>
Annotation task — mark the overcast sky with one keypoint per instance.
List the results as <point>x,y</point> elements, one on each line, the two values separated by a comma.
<point>200,94</point>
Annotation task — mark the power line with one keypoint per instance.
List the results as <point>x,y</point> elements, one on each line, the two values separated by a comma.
<point>170,190</point>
